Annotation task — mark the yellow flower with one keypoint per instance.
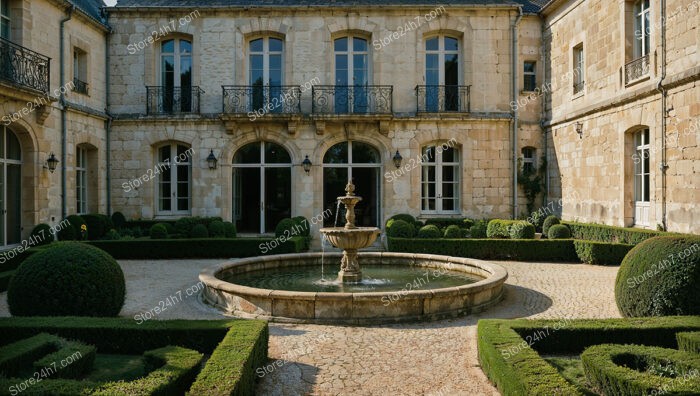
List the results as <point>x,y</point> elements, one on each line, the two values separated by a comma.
<point>83,227</point>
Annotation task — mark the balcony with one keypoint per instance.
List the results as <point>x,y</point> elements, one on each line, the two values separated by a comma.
<point>637,69</point>
<point>23,67</point>
<point>352,100</point>
<point>80,87</point>
<point>259,101</point>
<point>443,98</point>
<point>172,100</point>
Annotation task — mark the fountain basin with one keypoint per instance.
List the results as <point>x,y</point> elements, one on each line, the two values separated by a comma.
<point>353,238</point>
<point>401,305</point>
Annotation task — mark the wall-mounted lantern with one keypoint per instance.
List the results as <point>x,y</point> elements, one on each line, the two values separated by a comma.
<point>212,161</point>
<point>51,163</point>
<point>398,159</point>
<point>579,129</point>
<point>307,165</point>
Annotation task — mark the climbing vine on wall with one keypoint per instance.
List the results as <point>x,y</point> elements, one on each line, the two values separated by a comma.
<point>532,182</point>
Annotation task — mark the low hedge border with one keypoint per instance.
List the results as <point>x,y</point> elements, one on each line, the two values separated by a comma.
<point>610,234</point>
<point>516,367</point>
<point>25,352</point>
<point>604,368</point>
<point>500,228</point>
<point>229,373</point>
<point>601,253</point>
<point>689,341</point>
<point>80,358</point>
<point>561,250</point>
<point>142,249</point>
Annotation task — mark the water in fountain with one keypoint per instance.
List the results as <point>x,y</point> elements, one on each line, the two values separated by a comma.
<point>337,210</point>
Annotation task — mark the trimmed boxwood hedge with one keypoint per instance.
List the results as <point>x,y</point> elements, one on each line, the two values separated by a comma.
<point>601,253</point>
<point>453,232</point>
<point>80,358</point>
<point>144,249</point>
<point>548,222</point>
<point>500,228</point>
<point>610,368</point>
<point>605,233</point>
<point>24,352</point>
<point>561,250</point>
<point>518,369</point>
<point>559,231</point>
<point>429,232</point>
<point>689,341</point>
<point>237,348</point>
<point>522,230</point>
<point>444,223</point>
<point>398,228</point>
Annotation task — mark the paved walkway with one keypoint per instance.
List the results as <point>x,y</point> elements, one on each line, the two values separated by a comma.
<point>438,358</point>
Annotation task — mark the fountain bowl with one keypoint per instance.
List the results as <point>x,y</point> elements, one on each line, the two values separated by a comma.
<point>357,308</point>
<point>351,238</point>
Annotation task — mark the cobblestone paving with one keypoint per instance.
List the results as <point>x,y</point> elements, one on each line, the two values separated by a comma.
<point>438,358</point>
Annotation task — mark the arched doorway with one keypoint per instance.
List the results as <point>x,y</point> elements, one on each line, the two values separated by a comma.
<point>360,162</point>
<point>10,188</point>
<point>262,187</point>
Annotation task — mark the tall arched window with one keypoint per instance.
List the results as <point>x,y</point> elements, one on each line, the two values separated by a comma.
<point>440,181</point>
<point>442,75</point>
<point>266,71</point>
<point>5,19</point>
<point>176,75</point>
<point>174,169</point>
<point>262,187</point>
<point>351,74</point>
<point>10,188</point>
<point>642,177</point>
<point>81,179</point>
<point>361,163</point>
<point>642,27</point>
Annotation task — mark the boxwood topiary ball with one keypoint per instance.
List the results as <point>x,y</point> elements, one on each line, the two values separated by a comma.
<point>229,229</point>
<point>559,231</point>
<point>660,277</point>
<point>453,232</point>
<point>158,231</point>
<point>548,222</point>
<point>67,279</point>
<point>217,229</point>
<point>429,232</point>
<point>200,231</point>
<point>42,234</point>
<point>400,229</point>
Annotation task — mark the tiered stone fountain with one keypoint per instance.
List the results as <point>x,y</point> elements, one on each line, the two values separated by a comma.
<point>350,238</point>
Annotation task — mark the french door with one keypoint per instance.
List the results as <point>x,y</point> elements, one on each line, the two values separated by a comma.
<point>266,72</point>
<point>642,176</point>
<point>10,188</point>
<point>440,180</point>
<point>351,75</point>
<point>176,75</point>
<point>174,170</point>
<point>442,74</point>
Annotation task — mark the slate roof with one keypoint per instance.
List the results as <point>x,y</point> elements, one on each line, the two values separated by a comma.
<point>529,6</point>
<point>92,8</point>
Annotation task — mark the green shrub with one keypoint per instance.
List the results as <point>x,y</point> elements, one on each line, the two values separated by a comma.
<point>286,228</point>
<point>42,235</point>
<point>23,352</point>
<point>444,223</point>
<point>112,235</point>
<point>537,219</point>
<point>464,232</point>
<point>548,222</point>
<point>184,225</point>
<point>660,276</point>
<point>453,232</point>
<point>522,230</point>
<point>67,232</point>
<point>170,228</point>
<point>559,231</point>
<point>601,253</point>
<point>119,220</point>
<point>158,231</point>
<point>67,278</point>
<point>78,356</point>
<point>229,229</point>
<point>199,231</point>
<point>689,341</point>
<point>610,234</point>
<point>490,249</point>
<point>157,249</point>
<point>303,225</point>
<point>397,228</point>
<point>97,225</point>
<point>80,226</point>
<point>429,232</point>
<point>625,370</point>
<point>403,216</point>
<point>478,230</point>
<point>499,228</point>
<point>217,229</point>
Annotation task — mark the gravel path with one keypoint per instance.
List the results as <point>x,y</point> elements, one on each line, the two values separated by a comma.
<point>438,358</point>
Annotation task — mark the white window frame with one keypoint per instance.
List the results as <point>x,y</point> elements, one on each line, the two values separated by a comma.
<point>529,159</point>
<point>172,166</point>
<point>527,73</point>
<point>4,131</point>
<point>641,14</point>
<point>81,180</point>
<point>442,55</point>
<point>349,55</point>
<point>177,55</point>
<point>643,151</point>
<point>266,52</point>
<point>438,165</point>
<point>580,64</point>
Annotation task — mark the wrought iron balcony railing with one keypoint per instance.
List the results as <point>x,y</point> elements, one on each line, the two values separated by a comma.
<point>637,69</point>
<point>173,100</point>
<point>443,98</point>
<point>24,67</point>
<point>352,99</point>
<point>261,100</point>
<point>578,86</point>
<point>80,86</point>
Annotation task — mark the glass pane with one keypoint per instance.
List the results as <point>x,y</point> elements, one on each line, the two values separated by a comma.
<point>341,44</point>
<point>2,202</point>
<point>183,204</point>
<point>529,67</point>
<point>185,71</point>
<point>185,47</point>
<point>14,151</point>
<point>451,44</point>
<point>248,154</point>
<point>646,158</point>
<point>168,71</point>
<point>276,154</point>
<point>359,45</point>
<point>256,45</point>
<point>164,154</point>
<point>278,196</point>
<point>366,182</point>
<point>341,70</point>
<point>275,70</point>
<point>449,154</point>
<point>14,206</point>
<point>5,29</point>
<point>428,154</point>
<point>363,153</point>
<point>247,199</point>
<point>432,44</point>
<point>452,70</point>
<point>646,196</point>
<point>448,174</point>
<point>337,154</point>
<point>275,45</point>
<point>646,136</point>
<point>168,47</point>
<point>334,182</point>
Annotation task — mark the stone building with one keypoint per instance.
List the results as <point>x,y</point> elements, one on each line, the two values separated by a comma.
<point>256,111</point>
<point>52,101</point>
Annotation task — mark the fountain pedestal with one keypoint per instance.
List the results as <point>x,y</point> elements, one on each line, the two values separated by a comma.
<point>350,238</point>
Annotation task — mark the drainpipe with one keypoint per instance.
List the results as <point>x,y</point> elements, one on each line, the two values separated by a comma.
<point>108,126</point>
<point>543,115</point>
<point>62,59</point>
<point>514,28</point>
<point>664,93</point>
